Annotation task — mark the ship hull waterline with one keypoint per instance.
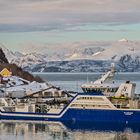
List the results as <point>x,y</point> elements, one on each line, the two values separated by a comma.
<point>82,115</point>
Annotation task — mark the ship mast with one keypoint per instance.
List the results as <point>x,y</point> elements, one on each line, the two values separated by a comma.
<point>107,76</point>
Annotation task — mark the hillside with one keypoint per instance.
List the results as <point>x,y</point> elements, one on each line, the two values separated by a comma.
<point>16,70</point>
<point>3,58</point>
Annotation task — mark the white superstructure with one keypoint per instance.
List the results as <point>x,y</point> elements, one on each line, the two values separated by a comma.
<point>105,84</point>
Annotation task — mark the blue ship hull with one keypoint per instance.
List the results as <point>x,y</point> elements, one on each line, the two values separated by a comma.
<point>83,115</point>
<point>104,116</point>
<point>68,114</point>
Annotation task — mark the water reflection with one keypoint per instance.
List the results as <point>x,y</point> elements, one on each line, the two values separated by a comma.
<point>58,131</point>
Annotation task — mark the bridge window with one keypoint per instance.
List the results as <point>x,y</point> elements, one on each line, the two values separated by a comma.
<point>87,106</point>
<point>91,98</point>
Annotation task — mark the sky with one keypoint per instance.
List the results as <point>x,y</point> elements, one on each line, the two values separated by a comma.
<point>28,23</point>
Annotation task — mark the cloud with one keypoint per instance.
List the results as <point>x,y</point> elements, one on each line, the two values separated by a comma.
<point>30,15</point>
<point>28,28</point>
<point>56,27</point>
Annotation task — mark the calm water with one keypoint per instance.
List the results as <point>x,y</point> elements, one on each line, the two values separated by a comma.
<point>10,130</point>
<point>73,81</point>
<point>58,131</point>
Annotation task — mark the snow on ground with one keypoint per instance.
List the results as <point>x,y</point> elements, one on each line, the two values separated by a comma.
<point>31,87</point>
<point>17,84</point>
<point>15,81</point>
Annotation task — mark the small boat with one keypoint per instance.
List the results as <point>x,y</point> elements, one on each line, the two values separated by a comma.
<point>123,107</point>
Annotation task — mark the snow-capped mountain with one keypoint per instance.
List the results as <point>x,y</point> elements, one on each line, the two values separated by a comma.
<point>84,53</point>
<point>118,49</point>
<point>23,60</point>
<point>18,54</point>
<point>3,58</point>
<point>29,60</point>
<point>9,54</point>
<point>96,57</point>
<point>125,53</point>
<point>125,64</point>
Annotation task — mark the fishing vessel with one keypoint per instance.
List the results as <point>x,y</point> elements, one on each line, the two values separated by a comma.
<point>105,84</point>
<point>123,107</point>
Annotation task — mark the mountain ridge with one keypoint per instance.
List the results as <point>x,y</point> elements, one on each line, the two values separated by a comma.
<point>124,53</point>
<point>16,70</point>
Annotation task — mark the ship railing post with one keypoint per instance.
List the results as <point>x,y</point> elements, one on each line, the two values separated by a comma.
<point>77,86</point>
